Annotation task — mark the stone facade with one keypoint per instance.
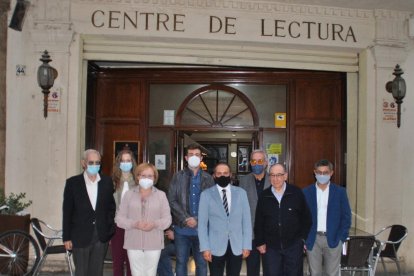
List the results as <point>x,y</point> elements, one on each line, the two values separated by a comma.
<point>366,44</point>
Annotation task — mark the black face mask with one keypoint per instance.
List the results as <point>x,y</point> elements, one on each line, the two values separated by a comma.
<point>222,181</point>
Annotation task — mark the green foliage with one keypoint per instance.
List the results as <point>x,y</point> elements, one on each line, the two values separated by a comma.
<point>16,203</point>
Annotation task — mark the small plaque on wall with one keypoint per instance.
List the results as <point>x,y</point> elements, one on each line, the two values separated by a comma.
<point>129,145</point>
<point>169,116</point>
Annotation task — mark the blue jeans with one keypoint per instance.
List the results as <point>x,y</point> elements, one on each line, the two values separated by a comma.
<point>164,264</point>
<point>183,244</point>
<point>287,261</point>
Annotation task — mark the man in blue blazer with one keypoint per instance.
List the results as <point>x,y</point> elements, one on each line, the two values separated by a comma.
<point>331,220</point>
<point>224,224</point>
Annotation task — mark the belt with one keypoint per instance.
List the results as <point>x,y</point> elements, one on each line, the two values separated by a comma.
<point>321,233</point>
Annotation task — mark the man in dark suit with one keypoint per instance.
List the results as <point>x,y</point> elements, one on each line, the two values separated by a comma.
<point>331,216</point>
<point>88,215</point>
<point>254,183</point>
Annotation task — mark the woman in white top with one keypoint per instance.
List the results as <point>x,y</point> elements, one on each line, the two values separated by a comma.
<point>123,179</point>
<point>144,214</point>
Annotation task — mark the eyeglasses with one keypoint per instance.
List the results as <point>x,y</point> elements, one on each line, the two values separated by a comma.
<point>257,162</point>
<point>194,154</point>
<point>94,162</point>
<point>146,176</point>
<point>278,175</point>
<point>323,173</point>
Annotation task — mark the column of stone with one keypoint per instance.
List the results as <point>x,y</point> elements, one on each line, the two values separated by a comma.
<point>4,8</point>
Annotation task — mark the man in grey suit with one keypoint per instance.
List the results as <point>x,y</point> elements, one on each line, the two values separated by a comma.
<point>254,184</point>
<point>224,224</point>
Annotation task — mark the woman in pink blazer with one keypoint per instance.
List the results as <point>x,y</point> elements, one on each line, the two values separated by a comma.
<point>144,213</point>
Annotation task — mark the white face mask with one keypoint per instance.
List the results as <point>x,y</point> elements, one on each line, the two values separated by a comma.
<point>194,162</point>
<point>146,183</point>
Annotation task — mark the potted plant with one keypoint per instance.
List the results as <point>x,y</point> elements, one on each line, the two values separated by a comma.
<point>14,217</point>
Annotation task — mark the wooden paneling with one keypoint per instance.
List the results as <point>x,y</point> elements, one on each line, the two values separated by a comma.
<point>315,111</point>
<point>313,143</point>
<point>317,127</point>
<point>318,100</point>
<point>119,99</point>
<point>120,110</point>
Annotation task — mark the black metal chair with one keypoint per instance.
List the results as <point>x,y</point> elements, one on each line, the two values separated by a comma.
<point>390,247</point>
<point>358,255</point>
<point>46,237</point>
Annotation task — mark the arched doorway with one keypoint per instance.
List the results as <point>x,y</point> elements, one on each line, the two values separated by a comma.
<point>224,121</point>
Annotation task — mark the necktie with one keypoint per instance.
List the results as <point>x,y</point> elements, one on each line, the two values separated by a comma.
<point>225,204</point>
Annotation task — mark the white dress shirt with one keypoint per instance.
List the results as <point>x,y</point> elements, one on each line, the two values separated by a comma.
<point>322,197</point>
<point>280,194</point>
<point>92,188</point>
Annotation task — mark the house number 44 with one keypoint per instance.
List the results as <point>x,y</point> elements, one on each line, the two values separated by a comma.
<point>20,70</point>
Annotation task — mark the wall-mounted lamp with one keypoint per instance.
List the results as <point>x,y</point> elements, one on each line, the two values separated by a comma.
<point>397,88</point>
<point>46,76</point>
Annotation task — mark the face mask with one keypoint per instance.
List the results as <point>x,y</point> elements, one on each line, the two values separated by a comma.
<point>146,183</point>
<point>93,169</point>
<point>222,181</point>
<point>125,166</point>
<point>257,169</point>
<point>194,162</point>
<point>322,179</point>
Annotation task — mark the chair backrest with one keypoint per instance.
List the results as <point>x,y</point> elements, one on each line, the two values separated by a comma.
<point>397,233</point>
<point>358,251</point>
<point>36,228</point>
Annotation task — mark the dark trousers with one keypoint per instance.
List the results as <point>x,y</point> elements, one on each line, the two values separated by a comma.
<point>253,262</point>
<point>119,254</point>
<point>232,263</point>
<point>89,260</point>
<point>286,262</point>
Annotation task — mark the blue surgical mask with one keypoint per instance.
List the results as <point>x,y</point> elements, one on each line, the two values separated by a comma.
<point>93,169</point>
<point>125,166</point>
<point>257,169</point>
<point>322,179</point>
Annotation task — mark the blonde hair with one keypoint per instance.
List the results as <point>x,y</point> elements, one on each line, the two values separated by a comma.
<point>142,167</point>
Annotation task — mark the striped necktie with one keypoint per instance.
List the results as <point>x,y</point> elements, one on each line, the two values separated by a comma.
<point>225,204</point>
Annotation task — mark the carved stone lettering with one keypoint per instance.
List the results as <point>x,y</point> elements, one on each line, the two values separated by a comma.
<point>311,30</point>
<point>138,20</point>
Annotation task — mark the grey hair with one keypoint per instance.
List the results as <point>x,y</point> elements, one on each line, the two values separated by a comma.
<point>89,151</point>
<point>279,164</point>
<point>259,151</point>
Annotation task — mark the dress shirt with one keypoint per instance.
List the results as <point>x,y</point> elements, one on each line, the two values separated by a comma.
<point>92,188</point>
<point>322,197</point>
<point>228,194</point>
<point>279,195</point>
